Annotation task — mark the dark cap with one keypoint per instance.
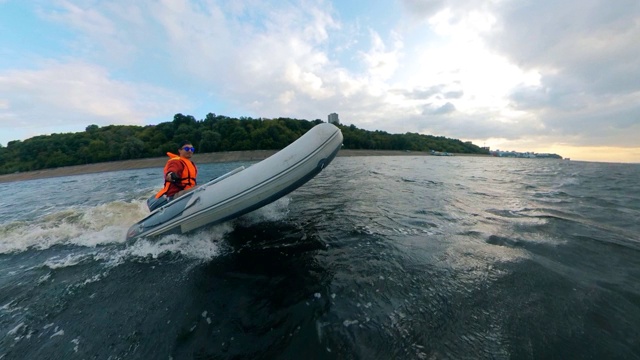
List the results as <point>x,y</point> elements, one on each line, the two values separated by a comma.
<point>183,143</point>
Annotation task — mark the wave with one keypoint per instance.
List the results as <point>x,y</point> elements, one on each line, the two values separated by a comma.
<point>81,226</point>
<point>101,230</point>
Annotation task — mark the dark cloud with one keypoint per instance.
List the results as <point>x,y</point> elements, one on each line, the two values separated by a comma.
<point>591,44</point>
<point>478,126</point>
<point>614,125</point>
<point>453,94</point>
<point>586,53</point>
<point>444,109</point>
<point>423,8</point>
<point>439,91</point>
<point>419,93</point>
<point>426,8</point>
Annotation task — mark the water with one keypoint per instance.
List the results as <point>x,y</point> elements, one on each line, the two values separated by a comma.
<point>375,258</point>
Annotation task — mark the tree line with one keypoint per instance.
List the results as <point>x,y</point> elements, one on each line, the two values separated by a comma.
<point>214,133</point>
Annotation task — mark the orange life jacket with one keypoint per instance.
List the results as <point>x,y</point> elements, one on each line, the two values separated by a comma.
<point>187,177</point>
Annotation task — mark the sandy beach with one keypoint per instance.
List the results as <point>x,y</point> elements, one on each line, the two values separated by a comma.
<point>159,162</point>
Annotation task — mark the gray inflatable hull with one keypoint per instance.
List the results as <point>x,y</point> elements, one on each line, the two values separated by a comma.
<point>243,190</point>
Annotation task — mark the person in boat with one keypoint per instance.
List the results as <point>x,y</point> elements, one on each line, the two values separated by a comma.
<point>180,172</point>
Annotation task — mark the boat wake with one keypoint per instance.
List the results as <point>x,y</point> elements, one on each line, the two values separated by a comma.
<point>80,226</point>
<point>97,234</point>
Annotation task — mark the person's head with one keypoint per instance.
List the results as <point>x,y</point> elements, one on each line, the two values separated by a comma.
<point>186,149</point>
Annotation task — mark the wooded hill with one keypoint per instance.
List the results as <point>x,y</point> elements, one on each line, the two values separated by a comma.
<point>212,134</point>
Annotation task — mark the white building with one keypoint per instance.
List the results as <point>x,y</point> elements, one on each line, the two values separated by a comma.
<point>333,119</point>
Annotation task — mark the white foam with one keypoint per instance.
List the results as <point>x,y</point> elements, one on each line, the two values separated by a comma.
<point>276,211</point>
<point>82,226</point>
<point>205,244</point>
<point>15,329</point>
<point>57,333</point>
<point>348,323</point>
<point>69,260</point>
<point>76,342</point>
<point>6,306</point>
<point>44,278</point>
<point>19,332</point>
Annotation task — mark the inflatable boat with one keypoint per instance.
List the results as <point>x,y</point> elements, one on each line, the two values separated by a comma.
<point>244,190</point>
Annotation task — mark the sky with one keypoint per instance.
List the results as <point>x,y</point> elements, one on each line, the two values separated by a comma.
<point>545,76</point>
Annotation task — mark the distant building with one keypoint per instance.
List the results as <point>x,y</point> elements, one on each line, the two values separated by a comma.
<point>528,154</point>
<point>333,119</point>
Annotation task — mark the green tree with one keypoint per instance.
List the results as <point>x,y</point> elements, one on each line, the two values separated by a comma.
<point>179,119</point>
<point>132,148</point>
<point>214,133</point>
<point>210,141</point>
<point>98,151</point>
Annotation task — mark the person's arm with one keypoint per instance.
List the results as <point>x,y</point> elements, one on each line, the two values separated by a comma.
<point>174,168</point>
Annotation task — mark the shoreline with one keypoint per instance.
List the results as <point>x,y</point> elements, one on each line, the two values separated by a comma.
<point>159,162</point>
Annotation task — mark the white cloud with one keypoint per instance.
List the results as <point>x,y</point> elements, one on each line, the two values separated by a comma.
<point>484,70</point>
<point>380,62</point>
<point>80,94</point>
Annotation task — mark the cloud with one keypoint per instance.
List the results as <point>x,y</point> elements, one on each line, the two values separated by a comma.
<point>423,8</point>
<point>420,93</point>
<point>595,55</point>
<point>580,59</point>
<point>444,109</point>
<point>587,57</point>
<point>78,93</point>
<point>560,73</point>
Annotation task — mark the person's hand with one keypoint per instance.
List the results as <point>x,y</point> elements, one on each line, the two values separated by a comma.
<point>170,177</point>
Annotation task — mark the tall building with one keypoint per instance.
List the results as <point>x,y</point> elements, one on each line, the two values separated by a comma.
<point>333,119</point>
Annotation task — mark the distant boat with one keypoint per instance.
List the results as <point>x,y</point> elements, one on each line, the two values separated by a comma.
<point>438,153</point>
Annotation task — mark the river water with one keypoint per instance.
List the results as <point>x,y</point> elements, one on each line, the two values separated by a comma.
<point>411,257</point>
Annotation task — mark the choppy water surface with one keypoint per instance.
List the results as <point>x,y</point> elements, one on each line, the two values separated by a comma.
<point>376,258</point>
